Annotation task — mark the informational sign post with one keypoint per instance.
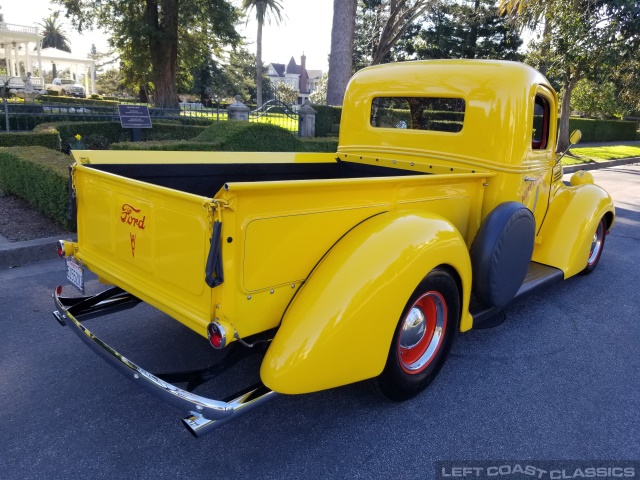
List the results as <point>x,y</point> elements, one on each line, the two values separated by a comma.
<point>134,117</point>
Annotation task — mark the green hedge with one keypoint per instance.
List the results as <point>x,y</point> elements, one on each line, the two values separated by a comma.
<point>55,99</point>
<point>603,130</point>
<point>47,139</point>
<point>239,137</point>
<point>326,117</point>
<point>96,100</point>
<point>319,145</point>
<point>249,137</point>
<point>179,146</point>
<point>113,132</point>
<point>40,176</point>
<point>313,145</point>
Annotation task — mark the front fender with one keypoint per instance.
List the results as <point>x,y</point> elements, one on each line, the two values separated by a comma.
<point>338,329</point>
<point>569,225</point>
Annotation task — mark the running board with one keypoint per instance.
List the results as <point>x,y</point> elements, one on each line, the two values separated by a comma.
<point>538,276</point>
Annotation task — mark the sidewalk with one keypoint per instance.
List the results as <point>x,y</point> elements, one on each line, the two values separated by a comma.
<point>14,254</point>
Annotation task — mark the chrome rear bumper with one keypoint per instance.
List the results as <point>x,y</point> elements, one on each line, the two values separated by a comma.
<point>205,414</point>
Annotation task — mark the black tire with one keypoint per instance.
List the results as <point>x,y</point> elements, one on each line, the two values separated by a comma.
<point>410,369</point>
<point>597,245</point>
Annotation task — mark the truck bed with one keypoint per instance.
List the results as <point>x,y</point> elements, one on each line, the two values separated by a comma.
<point>145,222</point>
<point>207,179</point>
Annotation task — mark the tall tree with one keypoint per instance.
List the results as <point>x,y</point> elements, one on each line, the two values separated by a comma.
<point>224,78</point>
<point>585,41</point>
<point>265,10</point>
<point>527,14</point>
<point>398,16</point>
<point>158,38</point>
<point>381,24</point>
<point>341,56</point>
<point>53,33</point>
<point>465,29</point>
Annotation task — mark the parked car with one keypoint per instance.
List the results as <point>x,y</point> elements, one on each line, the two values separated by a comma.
<point>68,87</point>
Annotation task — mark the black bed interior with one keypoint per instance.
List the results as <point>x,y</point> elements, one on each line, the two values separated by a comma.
<point>207,179</point>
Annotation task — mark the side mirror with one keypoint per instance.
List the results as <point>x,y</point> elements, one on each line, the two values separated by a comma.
<point>575,137</point>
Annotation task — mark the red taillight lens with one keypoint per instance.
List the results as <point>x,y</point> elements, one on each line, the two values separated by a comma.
<point>60,248</point>
<point>217,335</point>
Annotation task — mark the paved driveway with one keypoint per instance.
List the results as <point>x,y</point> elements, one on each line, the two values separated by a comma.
<point>559,379</point>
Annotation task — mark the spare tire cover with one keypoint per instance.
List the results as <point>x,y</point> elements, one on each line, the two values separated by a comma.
<point>501,253</point>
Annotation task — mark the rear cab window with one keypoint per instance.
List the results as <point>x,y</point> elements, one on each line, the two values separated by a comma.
<point>418,113</point>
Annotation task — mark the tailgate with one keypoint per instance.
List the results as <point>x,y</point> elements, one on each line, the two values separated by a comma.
<point>150,241</point>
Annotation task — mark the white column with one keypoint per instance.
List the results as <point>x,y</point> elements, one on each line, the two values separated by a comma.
<point>40,68</point>
<point>7,49</point>
<point>86,81</point>
<point>93,81</point>
<point>16,61</point>
<point>28,62</point>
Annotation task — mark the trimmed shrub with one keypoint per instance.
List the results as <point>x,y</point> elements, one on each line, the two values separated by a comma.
<point>239,137</point>
<point>249,137</point>
<point>49,139</point>
<point>112,132</point>
<point>180,146</point>
<point>326,117</point>
<point>603,130</point>
<point>320,145</point>
<point>55,99</point>
<point>40,176</point>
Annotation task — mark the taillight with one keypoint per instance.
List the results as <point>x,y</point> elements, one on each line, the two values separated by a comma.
<point>61,252</point>
<point>217,335</point>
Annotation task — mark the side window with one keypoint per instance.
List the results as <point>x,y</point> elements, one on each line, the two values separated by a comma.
<point>541,114</point>
<point>418,113</point>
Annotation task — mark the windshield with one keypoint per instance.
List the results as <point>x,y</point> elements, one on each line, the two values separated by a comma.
<point>68,82</point>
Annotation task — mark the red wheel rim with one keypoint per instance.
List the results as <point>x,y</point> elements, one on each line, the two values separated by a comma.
<point>422,332</point>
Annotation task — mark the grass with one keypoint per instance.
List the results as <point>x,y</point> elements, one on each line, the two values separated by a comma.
<point>600,154</point>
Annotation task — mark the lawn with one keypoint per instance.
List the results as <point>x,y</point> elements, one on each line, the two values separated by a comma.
<point>600,154</point>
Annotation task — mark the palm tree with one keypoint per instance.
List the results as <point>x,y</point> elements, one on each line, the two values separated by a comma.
<point>265,9</point>
<point>54,34</point>
<point>528,14</point>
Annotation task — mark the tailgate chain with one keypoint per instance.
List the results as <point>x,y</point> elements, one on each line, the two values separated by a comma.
<point>213,270</point>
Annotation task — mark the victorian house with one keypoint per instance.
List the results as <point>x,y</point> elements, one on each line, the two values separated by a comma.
<point>296,76</point>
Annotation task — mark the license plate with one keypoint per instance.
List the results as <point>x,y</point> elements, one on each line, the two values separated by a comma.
<point>75,274</point>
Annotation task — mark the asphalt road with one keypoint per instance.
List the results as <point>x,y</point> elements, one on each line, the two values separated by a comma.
<point>559,379</point>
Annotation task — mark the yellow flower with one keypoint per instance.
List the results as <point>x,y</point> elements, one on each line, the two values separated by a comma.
<point>78,137</point>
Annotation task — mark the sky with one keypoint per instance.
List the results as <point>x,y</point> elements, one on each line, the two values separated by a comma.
<point>306,29</point>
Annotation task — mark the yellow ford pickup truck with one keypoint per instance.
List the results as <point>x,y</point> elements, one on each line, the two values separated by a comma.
<point>443,203</point>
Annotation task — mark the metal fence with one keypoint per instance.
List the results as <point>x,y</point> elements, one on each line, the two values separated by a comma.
<point>17,115</point>
<point>278,113</point>
<point>23,115</point>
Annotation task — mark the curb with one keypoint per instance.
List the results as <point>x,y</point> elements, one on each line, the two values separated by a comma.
<point>30,251</point>
<point>599,165</point>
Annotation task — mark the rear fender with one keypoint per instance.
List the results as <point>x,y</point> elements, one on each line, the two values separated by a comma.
<point>569,225</point>
<point>338,329</point>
